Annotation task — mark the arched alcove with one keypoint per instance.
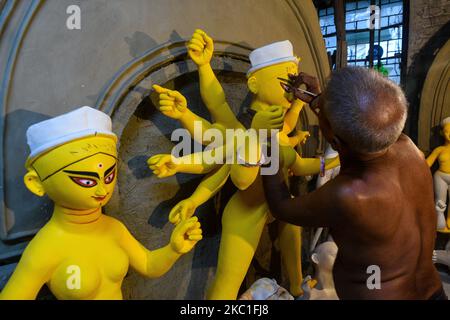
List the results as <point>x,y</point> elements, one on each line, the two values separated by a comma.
<point>144,131</point>
<point>435,100</point>
<point>421,85</point>
<point>121,50</point>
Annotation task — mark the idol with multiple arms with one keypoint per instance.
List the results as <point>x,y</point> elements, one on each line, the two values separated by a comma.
<point>246,214</point>
<point>81,253</point>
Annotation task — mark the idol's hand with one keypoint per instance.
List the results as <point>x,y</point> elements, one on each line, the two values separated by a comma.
<point>301,137</point>
<point>200,48</point>
<point>272,118</point>
<point>162,165</point>
<point>182,211</point>
<point>171,103</point>
<point>185,235</point>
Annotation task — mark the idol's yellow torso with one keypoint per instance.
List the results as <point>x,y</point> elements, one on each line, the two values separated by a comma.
<point>95,248</point>
<point>442,153</point>
<point>444,158</point>
<point>78,257</point>
<point>243,221</point>
<point>86,255</point>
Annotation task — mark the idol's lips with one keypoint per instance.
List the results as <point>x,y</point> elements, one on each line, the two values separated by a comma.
<point>99,198</point>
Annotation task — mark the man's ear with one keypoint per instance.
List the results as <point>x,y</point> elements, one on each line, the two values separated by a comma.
<point>252,85</point>
<point>315,258</point>
<point>33,183</point>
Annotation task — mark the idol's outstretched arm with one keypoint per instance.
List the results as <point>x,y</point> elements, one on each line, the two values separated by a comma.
<point>311,166</point>
<point>292,115</point>
<point>200,49</point>
<point>174,105</point>
<point>157,262</point>
<point>166,165</point>
<point>433,156</point>
<point>309,210</point>
<point>205,190</point>
<point>290,123</point>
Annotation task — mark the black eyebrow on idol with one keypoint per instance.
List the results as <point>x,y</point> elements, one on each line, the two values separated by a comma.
<point>110,169</point>
<point>83,173</point>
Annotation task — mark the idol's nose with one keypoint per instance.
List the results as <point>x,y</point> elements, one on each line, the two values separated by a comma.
<point>101,190</point>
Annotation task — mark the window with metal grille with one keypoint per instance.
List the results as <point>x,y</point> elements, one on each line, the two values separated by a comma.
<point>388,39</point>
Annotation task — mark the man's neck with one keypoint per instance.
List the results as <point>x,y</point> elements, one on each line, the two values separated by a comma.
<point>76,220</point>
<point>350,159</point>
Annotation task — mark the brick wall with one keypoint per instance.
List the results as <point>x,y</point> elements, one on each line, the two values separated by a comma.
<point>428,22</point>
<point>426,17</point>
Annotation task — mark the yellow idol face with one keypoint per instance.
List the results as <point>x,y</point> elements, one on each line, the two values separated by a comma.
<point>269,89</point>
<point>86,184</point>
<point>446,132</point>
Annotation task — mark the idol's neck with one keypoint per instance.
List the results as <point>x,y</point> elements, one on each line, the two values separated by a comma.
<point>76,220</point>
<point>258,105</point>
<point>324,280</point>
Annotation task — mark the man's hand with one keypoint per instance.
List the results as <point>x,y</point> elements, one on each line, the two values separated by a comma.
<point>171,103</point>
<point>182,211</point>
<point>185,235</point>
<point>200,48</point>
<point>311,83</point>
<point>272,118</point>
<point>162,165</point>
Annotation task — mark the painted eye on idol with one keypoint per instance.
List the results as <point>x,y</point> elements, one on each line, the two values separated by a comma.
<point>110,177</point>
<point>84,182</point>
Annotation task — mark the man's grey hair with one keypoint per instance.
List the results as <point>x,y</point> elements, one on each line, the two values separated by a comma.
<point>366,110</point>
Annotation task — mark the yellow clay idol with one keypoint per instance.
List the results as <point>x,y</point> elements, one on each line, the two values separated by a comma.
<point>246,213</point>
<point>442,176</point>
<point>81,253</point>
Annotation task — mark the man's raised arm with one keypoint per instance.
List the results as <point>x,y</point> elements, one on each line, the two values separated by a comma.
<point>316,209</point>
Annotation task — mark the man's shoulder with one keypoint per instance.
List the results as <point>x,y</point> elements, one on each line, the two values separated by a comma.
<point>405,144</point>
<point>348,192</point>
<point>406,141</point>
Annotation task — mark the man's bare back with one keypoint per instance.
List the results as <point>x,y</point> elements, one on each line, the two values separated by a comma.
<point>380,208</point>
<point>388,221</point>
<point>380,213</point>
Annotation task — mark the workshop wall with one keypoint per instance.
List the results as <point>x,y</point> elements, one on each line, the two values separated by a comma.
<point>122,48</point>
